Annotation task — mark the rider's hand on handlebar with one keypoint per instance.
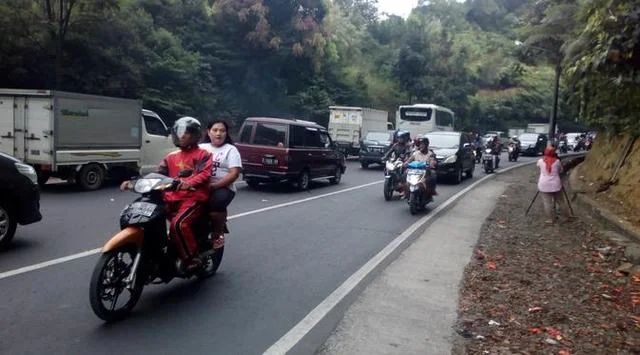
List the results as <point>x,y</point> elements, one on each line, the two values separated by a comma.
<point>184,186</point>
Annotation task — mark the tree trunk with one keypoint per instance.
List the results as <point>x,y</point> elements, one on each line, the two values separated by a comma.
<point>58,68</point>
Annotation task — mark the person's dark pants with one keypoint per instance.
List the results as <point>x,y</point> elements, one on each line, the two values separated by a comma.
<point>219,199</point>
<point>433,179</point>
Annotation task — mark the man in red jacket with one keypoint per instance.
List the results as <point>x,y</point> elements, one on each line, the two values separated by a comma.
<point>192,166</point>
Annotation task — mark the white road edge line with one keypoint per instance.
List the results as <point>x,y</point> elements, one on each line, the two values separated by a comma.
<point>313,318</point>
<point>64,259</point>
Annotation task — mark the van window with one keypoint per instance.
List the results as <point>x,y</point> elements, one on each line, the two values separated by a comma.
<point>312,138</point>
<point>270,134</point>
<point>297,136</point>
<point>245,135</point>
<point>154,126</point>
<point>325,140</point>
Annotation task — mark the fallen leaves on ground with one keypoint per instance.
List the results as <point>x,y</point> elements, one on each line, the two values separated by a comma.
<point>561,289</point>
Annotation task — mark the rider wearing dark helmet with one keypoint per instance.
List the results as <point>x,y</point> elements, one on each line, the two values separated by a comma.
<point>423,153</point>
<point>400,148</point>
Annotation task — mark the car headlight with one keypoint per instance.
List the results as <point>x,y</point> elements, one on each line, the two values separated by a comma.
<point>451,159</point>
<point>28,171</point>
<point>143,186</point>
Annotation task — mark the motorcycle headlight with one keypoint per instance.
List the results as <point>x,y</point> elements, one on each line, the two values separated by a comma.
<point>390,166</point>
<point>413,179</point>
<point>451,159</point>
<point>487,151</point>
<point>143,186</point>
<point>28,171</point>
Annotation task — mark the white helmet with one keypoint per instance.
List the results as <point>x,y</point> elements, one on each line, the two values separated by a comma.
<point>186,125</point>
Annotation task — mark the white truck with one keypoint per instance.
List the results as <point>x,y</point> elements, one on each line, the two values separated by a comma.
<point>349,125</point>
<point>538,128</point>
<point>81,138</point>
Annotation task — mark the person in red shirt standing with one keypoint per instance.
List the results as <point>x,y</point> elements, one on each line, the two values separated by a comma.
<point>192,166</point>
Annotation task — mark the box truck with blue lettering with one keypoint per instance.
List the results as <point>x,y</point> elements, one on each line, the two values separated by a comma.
<point>81,138</point>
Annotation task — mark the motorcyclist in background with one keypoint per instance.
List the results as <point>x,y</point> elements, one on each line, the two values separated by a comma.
<point>496,149</point>
<point>400,148</point>
<point>426,155</point>
<point>516,142</point>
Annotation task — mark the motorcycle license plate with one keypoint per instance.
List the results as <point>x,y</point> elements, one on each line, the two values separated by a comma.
<point>487,157</point>
<point>143,208</point>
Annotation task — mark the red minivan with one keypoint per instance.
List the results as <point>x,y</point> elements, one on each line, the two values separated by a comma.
<point>296,151</point>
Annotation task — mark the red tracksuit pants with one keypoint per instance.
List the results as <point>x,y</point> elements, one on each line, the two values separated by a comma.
<point>182,214</point>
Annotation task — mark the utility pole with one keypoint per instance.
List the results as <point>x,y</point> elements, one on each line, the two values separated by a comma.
<point>553,120</point>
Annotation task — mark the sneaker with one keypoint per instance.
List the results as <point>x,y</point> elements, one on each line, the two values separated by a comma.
<point>218,242</point>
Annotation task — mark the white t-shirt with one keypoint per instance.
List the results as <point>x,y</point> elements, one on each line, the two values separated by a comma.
<point>224,158</point>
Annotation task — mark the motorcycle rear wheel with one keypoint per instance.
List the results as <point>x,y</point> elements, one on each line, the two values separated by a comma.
<point>102,277</point>
<point>212,263</point>
<point>487,168</point>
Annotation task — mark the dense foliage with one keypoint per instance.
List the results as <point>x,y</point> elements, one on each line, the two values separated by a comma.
<point>491,61</point>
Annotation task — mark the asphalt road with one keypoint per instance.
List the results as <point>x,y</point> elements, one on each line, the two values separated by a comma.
<point>279,264</point>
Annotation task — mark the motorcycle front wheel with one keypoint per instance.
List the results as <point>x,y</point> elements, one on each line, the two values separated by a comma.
<point>414,207</point>
<point>108,284</point>
<point>388,189</point>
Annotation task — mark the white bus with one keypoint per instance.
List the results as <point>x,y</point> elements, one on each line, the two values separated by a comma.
<point>424,118</point>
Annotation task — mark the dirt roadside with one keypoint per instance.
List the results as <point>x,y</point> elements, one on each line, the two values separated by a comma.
<point>570,288</point>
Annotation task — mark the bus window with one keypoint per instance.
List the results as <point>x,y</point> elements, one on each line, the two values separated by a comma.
<point>444,118</point>
<point>421,114</point>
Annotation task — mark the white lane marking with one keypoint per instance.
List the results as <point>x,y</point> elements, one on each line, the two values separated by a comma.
<point>64,259</point>
<point>41,265</point>
<point>313,318</point>
<point>287,204</point>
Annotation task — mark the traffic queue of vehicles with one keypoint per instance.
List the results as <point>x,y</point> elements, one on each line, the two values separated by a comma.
<point>88,139</point>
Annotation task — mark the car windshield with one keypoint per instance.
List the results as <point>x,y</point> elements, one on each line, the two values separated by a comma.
<point>378,136</point>
<point>528,137</point>
<point>443,140</point>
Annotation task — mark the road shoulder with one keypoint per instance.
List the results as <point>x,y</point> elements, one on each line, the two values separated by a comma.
<point>411,306</point>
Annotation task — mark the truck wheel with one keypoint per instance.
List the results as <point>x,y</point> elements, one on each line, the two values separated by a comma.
<point>364,165</point>
<point>91,177</point>
<point>43,176</point>
<point>8,224</point>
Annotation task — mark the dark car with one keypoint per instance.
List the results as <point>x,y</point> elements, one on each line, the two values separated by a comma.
<point>373,147</point>
<point>19,197</point>
<point>532,143</point>
<point>297,151</point>
<point>454,154</point>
